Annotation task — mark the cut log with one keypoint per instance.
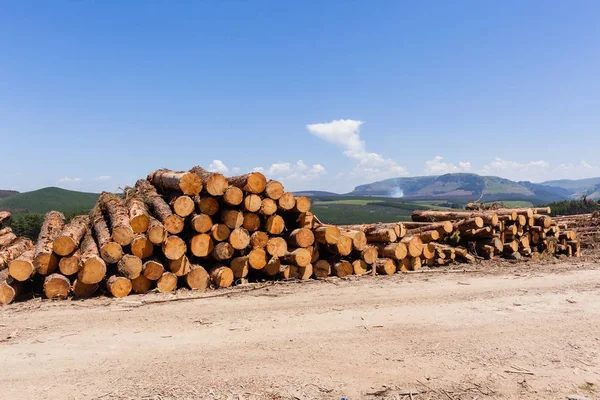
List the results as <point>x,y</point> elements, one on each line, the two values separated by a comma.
<point>301,273</point>
<point>179,181</point>
<point>307,220</point>
<point>138,214</point>
<point>257,258</point>
<point>220,232</point>
<point>542,210</point>
<point>251,222</point>
<point>7,238</point>
<point>240,267</point>
<point>173,223</point>
<point>268,207</point>
<point>276,246</point>
<point>207,205</point>
<point>9,287</point>
<point>359,239</point>
<point>273,267</point>
<point>221,276</point>
<point>254,182</point>
<point>429,236</point>
<point>223,251</point>
<point>360,267</point>
<point>233,196</point>
<point>118,286</point>
<point>156,231</point>
<point>301,237</point>
<point>543,221</point>
<point>153,269</point>
<point>274,190</point>
<point>496,243</point>
<point>92,268</point>
<point>327,234</point>
<point>464,254</point>
<point>414,245</point>
<point>252,203</point>
<point>396,251</point>
<point>130,266</point>
<point>342,268</point>
<point>57,286</point>
<point>259,239</point>
<point>72,234</point>
<point>275,225</point>
<point>511,247</point>
<point>415,228</point>
<point>118,215</point>
<point>302,204</point>
<point>322,269</point>
<point>299,257</point>
<point>167,282</point>
<point>470,223</point>
<point>45,260</point>
<point>287,201</point>
<point>69,265</point>
<point>239,239</point>
<point>14,250</point>
<point>22,267</point>
<point>181,266</point>
<point>183,205</point>
<point>174,247</point>
<point>385,266</point>
<point>490,218</point>
<point>197,278</point>
<point>369,254</point>
<point>4,216</point>
<point>486,251</point>
<point>232,218</point>
<point>141,285</point>
<point>213,182</point>
<point>83,290</point>
<point>343,247</point>
<point>141,247</point>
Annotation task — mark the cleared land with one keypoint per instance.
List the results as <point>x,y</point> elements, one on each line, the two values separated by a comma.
<point>440,334</point>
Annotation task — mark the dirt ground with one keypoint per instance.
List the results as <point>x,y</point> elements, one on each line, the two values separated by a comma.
<point>502,330</point>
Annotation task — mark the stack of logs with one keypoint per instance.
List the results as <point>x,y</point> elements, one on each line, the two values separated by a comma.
<point>586,227</point>
<point>11,247</point>
<point>199,229</point>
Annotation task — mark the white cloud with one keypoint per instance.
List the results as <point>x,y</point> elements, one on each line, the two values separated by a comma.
<point>345,133</point>
<point>299,171</point>
<point>437,167</point>
<point>218,166</point>
<point>235,170</point>
<point>103,178</point>
<point>69,180</point>
<point>531,171</point>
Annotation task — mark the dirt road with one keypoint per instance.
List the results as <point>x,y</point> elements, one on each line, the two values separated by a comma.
<point>531,332</point>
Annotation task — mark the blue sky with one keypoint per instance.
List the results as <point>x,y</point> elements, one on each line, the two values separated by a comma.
<point>321,95</point>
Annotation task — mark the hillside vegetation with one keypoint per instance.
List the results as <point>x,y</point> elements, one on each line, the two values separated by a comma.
<point>573,207</point>
<point>51,198</point>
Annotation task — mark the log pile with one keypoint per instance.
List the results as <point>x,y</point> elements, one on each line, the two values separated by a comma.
<point>198,229</point>
<point>12,248</point>
<point>585,226</point>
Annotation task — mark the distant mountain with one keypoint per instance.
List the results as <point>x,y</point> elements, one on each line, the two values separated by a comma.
<point>7,193</point>
<point>311,193</point>
<point>46,199</point>
<point>464,188</point>
<point>589,187</point>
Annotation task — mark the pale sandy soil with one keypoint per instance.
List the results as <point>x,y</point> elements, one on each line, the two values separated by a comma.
<point>440,335</point>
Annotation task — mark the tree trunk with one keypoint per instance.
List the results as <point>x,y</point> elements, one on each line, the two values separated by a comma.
<point>130,266</point>
<point>223,251</point>
<point>301,237</point>
<point>138,214</point>
<point>181,266</point>
<point>254,182</point>
<point>83,290</point>
<point>172,222</point>
<point>233,196</point>
<point>396,251</point>
<point>385,266</point>
<point>167,282</point>
<point>376,233</point>
<point>274,190</point>
<point>232,218</point>
<point>174,247</point>
<point>220,232</point>
<point>221,276</point>
<point>156,231</point>
<point>71,235</point>
<point>118,286</point>
<point>414,228</point>
<point>9,287</point>
<point>201,245</point>
<point>275,225</point>
<point>178,181</point>
<point>490,218</point>
<point>45,260</point>
<point>141,285</point>
<point>239,239</point>
<point>22,267</point>
<point>299,257</point>
<point>268,207</point>
<point>183,205</point>
<point>118,215</point>
<point>57,286</point>
<point>153,269</point>
<point>141,247</point>
<point>214,183</point>
<point>327,234</point>
<point>257,258</point>
<point>92,268</point>
<point>259,240</point>
<point>342,268</point>
<point>287,201</point>
<point>197,278</point>
<point>13,251</point>
<point>69,265</point>
<point>470,223</point>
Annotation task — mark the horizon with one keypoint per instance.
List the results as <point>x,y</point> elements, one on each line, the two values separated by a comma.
<point>321,96</point>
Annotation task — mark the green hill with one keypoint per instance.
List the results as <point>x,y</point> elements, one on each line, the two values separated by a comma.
<point>46,199</point>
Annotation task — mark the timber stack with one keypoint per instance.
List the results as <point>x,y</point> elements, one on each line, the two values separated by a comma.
<point>199,229</point>
<point>585,226</point>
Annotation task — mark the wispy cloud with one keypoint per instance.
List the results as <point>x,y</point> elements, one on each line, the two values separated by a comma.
<point>218,166</point>
<point>345,134</point>
<point>437,167</point>
<point>103,178</point>
<point>69,180</point>
<point>531,170</point>
<point>299,171</point>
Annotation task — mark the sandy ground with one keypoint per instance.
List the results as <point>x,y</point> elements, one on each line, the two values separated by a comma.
<point>506,331</point>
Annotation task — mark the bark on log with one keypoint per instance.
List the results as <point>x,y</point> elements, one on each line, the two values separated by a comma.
<point>385,266</point>
<point>167,282</point>
<point>9,287</point>
<point>83,290</point>
<point>396,251</point>
<point>153,269</point>
<point>174,247</point>
<point>141,285</point>
<point>543,221</point>
<point>287,201</point>
<point>7,238</point>
<point>138,214</point>
<point>130,266</point>
<point>239,239</point>
<point>45,260</point>
<point>92,268</point>
<point>178,181</point>
<point>276,246</point>
<point>221,276</point>
<point>22,267</point>
<point>156,231</point>
<point>183,205</point>
<point>69,265</point>
<point>470,223</point>
<point>299,257</point>
<point>252,203</point>
<point>233,196</point>
<point>254,182</point>
<point>429,236</point>
<point>301,237</point>
<point>118,215</point>
<point>490,218</point>
<point>57,286</point>
<point>13,251</point>
<point>118,286</point>
<point>141,247</point>
<point>274,190</point>
<point>197,278</point>
<point>213,182</point>
<point>359,239</point>
<point>172,222</point>
<point>415,228</point>
<point>71,235</point>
